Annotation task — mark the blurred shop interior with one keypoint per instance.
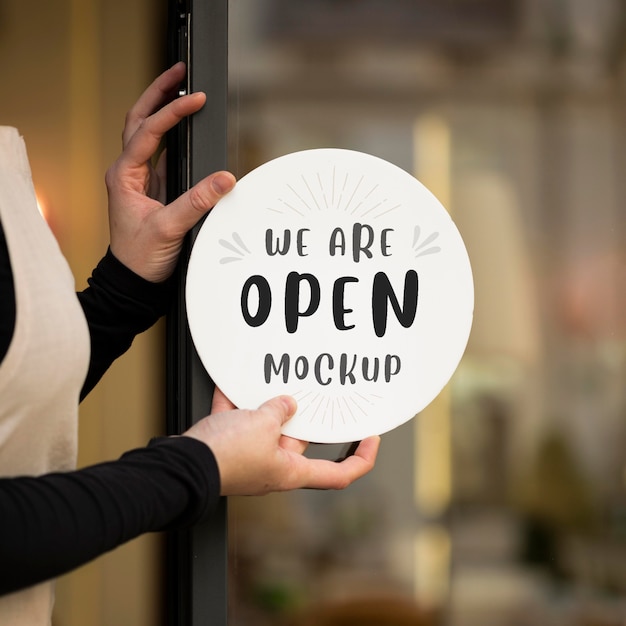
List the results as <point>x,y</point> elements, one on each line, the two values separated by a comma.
<point>504,502</point>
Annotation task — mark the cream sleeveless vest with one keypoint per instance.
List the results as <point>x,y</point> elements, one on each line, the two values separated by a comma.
<point>45,366</point>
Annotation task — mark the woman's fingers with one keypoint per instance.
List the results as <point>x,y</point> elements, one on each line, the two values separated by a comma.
<point>159,93</point>
<point>145,139</point>
<point>323,474</point>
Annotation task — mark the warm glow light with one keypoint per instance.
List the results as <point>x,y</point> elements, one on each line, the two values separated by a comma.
<point>41,206</point>
<point>432,155</point>
<point>433,457</point>
<point>433,427</point>
<point>432,565</point>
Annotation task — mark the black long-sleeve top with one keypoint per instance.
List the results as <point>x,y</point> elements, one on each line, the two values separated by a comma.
<point>53,523</point>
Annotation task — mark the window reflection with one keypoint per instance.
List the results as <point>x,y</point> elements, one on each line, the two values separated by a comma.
<point>504,501</point>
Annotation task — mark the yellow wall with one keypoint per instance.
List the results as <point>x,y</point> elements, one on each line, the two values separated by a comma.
<point>70,70</point>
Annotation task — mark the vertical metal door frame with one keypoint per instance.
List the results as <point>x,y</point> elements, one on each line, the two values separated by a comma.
<point>197,564</point>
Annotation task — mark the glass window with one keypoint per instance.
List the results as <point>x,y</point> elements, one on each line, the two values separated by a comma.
<point>503,503</point>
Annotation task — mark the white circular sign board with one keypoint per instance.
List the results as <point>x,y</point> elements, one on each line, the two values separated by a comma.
<point>337,278</point>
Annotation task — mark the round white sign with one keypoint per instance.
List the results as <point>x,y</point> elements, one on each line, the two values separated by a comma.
<point>337,278</point>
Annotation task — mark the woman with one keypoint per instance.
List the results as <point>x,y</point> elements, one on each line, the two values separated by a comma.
<point>54,347</point>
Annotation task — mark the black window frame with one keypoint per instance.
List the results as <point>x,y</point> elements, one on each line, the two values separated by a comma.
<point>197,558</point>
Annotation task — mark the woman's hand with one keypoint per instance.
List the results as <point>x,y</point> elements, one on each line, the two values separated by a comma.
<point>147,235</point>
<point>255,458</point>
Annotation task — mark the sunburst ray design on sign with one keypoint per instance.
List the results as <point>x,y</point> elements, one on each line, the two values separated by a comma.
<point>421,247</point>
<point>239,248</point>
<point>334,190</point>
<point>328,410</point>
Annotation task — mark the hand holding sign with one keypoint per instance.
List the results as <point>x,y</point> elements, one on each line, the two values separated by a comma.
<point>337,278</point>
<point>254,458</point>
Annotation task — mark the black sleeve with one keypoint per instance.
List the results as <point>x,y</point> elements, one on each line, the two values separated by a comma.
<point>118,305</point>
<point>54,523</point>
